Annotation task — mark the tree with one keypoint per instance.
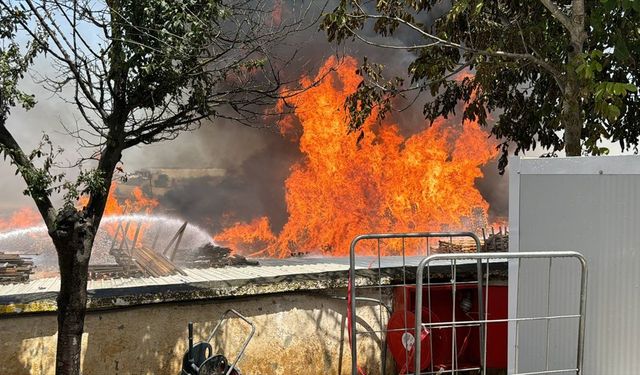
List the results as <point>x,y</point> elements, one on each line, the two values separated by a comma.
<point>543,67</point>
<point>139,72</point>
<point>14,62</point>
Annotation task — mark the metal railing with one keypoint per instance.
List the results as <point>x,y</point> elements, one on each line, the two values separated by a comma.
<point>406,264</point>
<point>486,259</point>
<point>245,343</point>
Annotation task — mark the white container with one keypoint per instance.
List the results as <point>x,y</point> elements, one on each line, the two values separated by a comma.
<point>590,205</point>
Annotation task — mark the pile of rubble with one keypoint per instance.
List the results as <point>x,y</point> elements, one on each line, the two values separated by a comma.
<point>458,245</point>
<point>496,242</point>
<point>14,268</point>
<point>210,255</point>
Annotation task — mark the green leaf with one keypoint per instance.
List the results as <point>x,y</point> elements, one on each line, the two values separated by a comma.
<point>478,8</point>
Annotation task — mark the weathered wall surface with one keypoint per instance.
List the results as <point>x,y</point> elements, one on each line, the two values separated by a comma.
<point>296,333</point>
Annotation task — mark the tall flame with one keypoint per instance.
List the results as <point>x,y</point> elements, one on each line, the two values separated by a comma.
<point>136,203</point>
<point>384,182</point>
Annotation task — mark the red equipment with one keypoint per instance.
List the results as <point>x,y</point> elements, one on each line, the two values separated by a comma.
<point>437,342</point>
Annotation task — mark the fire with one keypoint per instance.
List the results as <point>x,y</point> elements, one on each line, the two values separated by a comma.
<point>23,218</point>
<point>384,182</point>
<point>135,204</point>
<point>138,203</point>
<point>252,237</point>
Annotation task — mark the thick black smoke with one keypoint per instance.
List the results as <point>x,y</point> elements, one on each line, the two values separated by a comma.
<point>251,189</point>
<point>259,161</point>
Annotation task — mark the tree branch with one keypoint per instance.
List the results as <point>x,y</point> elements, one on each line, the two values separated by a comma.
<point>10,146</point>
<point>558,14</point>
<point>446,43</point>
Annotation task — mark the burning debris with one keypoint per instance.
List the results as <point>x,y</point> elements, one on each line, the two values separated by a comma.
<point>496,241</point>
<point>385,179</point>
<point>212,256</point>
<point>129,246</point>
<point>134,258</point>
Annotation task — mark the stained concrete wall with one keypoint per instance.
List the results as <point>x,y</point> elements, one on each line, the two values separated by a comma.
<point>296,333</point>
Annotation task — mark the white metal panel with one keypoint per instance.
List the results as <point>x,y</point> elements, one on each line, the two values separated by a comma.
<point>590,205</point>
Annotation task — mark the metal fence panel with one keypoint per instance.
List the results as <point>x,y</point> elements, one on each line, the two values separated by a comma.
<point>535,326</point>
<point>375,278</point>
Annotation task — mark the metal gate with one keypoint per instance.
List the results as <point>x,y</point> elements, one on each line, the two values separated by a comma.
<point>424,284</point>
<point>373,273</point>
<point>379,272</point>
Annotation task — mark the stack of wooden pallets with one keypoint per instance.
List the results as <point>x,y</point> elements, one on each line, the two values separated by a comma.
<point>14,268</point>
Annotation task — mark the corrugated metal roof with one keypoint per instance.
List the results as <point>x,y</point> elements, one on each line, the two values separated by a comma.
<point>268,268</point>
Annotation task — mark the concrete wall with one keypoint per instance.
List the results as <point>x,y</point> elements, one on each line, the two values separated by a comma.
<point>296,333</point>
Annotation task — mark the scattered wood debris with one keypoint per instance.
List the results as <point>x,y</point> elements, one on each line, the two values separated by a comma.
<point>210,255</point>
<point>152,263</point>
<point>112,271</point>
<point>15,268</point>
<point>496,242</point>
<point>457,245</point>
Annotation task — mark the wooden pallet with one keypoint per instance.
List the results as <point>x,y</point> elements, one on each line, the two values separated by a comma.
<point>154,264</point>
<point>457,246</point>
<point>14,268</point>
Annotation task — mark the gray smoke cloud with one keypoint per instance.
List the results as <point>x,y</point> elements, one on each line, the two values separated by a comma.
<point>257,161</point>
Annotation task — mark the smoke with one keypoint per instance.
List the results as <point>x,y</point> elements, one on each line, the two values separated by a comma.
<point>28,128</point>
<point>253,186</point>
<point>495,190</point>
<point>257,161</point>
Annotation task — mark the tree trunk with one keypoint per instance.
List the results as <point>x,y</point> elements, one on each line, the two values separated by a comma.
<point>571,99</point>
<point>572,119</point>
<point>73,240</point>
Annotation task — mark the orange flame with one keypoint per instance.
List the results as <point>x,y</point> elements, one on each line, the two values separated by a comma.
<point>23,218</point>
<point>385,182</point>
<point>137,203</point>
<point>252,237</point>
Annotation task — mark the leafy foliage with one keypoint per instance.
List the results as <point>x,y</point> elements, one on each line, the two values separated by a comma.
<point>523,58</point>
<point>140,71</point>
<point>13,64</point>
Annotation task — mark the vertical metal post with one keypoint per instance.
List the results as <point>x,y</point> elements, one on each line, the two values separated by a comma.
<point>115,236</point>
<point>454,334</point>
<point>548,322</point>
<point>352,305</point>
<point>418,315</point>
<point>135,236</point>
<point>125,232</point>
<point>583,313</point>
<point>481,302</point>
